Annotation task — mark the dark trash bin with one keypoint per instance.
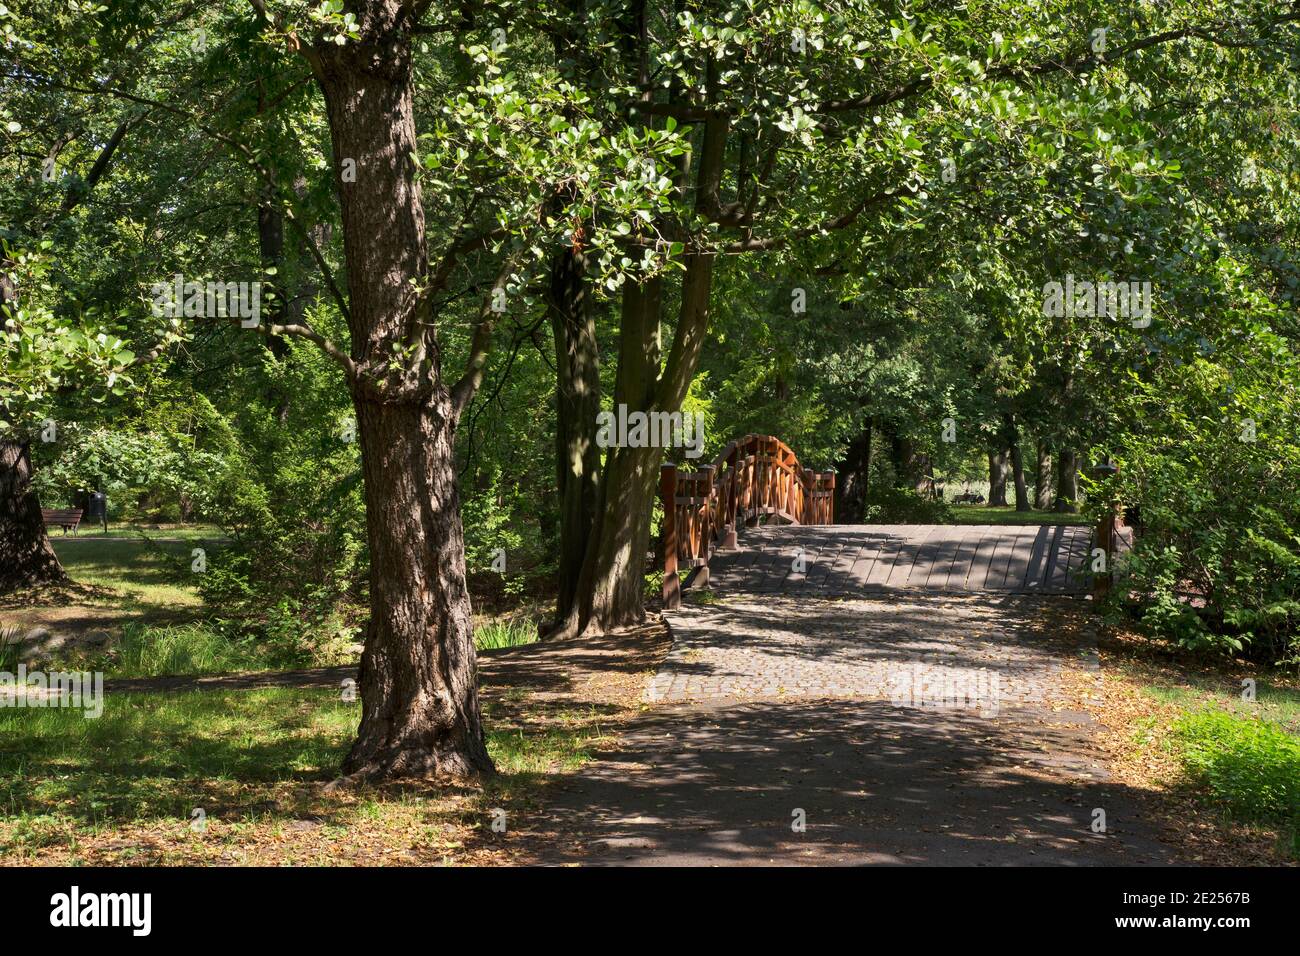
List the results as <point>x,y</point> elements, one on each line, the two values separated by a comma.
<point>94,505</point>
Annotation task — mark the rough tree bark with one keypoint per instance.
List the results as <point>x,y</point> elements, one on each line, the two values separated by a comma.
<point>577,403</point>
<point>998,478</point>
<point>418,683</point>
<point>609,592</point>
<point>26,556</point>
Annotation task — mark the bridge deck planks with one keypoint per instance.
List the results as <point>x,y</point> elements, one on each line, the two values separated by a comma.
<point>854,559</point>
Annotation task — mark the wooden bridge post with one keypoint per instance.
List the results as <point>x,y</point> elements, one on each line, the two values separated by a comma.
<point>728,542</point>
<point>808,513</point>
<point>701,575</point>
<point>1105,534</point>
<point>672,592</point>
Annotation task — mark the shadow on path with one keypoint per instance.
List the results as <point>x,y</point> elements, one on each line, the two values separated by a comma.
<point>878,784</point>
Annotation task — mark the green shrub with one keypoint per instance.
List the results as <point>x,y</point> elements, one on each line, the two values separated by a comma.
<point>888,505</point>
<point>1213,462</point>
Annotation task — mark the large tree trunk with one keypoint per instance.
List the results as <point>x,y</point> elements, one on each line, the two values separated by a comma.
<point>1018,475</point>
<point>577,404</point>
<point>998,478</point>
<point>26,555</point>
<point>1043,478</point>
<point>419,688</point>
<point>1067,482</point>
<point>419,700</point>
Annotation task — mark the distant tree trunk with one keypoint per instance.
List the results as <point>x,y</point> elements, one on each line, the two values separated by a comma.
<point>26,556</point>
<point>998,478</point>
<point>1018,474</point>
<point>1067,482</point>
<point>1043,478</point>
<point>911,467</point>
<point>853,477</point>
<point>923,468</point>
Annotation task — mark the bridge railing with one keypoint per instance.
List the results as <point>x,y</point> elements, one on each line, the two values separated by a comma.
<point>754,478</point>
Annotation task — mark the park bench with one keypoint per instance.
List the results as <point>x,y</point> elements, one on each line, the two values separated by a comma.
<point>65,518</point>
<point>968,499</point>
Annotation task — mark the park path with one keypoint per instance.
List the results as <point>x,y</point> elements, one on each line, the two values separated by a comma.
<point>814,721</point>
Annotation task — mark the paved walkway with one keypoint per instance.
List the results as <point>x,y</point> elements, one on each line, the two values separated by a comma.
<point>919,729</point>
<point>796,647</point>
<point>830,560</point>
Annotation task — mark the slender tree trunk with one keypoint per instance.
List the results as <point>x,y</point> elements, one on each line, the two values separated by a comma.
<point>1043,478</point>
<point>26,556</point>
<point>577,403</point>
<point>419,700</point>
<point>1018,475</point>
<point>610,588</point>
<point>1067,482</point>
<point>998,478</point>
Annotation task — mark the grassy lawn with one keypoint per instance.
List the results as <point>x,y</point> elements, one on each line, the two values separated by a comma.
<point>985,514</point>
<point>148,573</point>
<point>1240,756</point>
<point>1274,702</point>
<point>122,530</point>
<point>1224,770</point>
<point>142,591</point>
<point>125,787</point>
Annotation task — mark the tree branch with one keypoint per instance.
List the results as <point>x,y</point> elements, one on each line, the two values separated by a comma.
<point>462,393</point>
<point>1087,58</point>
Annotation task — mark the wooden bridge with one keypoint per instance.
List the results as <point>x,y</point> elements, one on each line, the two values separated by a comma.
<point>792,545</point>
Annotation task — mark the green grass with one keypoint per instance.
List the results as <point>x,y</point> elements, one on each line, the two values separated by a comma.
<point>1250,768</point>
<point>1275,703</point>
<point>155,757</point>
<point>984,514</point>
<point>118,530</point>
<point>148,572</point>
<point>155,651</point>
<point>152,755</point>
<point>505,632</point>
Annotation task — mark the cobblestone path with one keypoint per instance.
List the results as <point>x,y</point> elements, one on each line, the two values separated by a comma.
<point>906,729</point>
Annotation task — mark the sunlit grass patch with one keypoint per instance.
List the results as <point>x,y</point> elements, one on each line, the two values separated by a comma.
<point>150,572</point>
<point>147,651</point>
<point>253,761</point>
<point>1249,768</point>
<point>1273,702</point>
<point>988,514</point>
<point>508,631</point>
